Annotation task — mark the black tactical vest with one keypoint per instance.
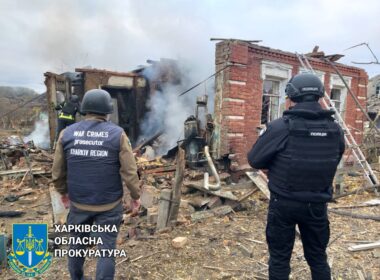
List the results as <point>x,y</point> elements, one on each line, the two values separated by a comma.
<point>70,108</point>
<point>93,168</point>
<point>311,156</point>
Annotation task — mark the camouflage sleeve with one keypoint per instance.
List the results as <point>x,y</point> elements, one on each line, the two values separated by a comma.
<point>58,171</point>
<point>128,167</point>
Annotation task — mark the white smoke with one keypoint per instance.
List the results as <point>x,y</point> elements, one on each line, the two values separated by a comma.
<point>168,111</point>
<point>40,134</point>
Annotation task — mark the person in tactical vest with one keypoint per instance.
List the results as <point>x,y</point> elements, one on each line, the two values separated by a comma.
<point>92,159</point>
<point>68,111</point>
<point>301,151</point>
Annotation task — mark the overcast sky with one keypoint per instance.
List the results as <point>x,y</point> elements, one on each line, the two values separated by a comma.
<point>40,35</point>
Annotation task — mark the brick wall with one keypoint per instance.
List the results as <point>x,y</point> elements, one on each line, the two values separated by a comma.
<point>239,88</point>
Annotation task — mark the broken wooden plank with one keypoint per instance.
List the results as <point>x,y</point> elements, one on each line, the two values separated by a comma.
<point>239,186</point>
<point>46,154</point>
<point>11,214</point>
<point>163,208</point>
<point>176,191</point>
<point>353,215</point>
<point>357,191</point>
<point>23,171</point>
<point>221,193</point>
<point>59,210</point>
<point>162,169</point>
<point>356,206</point>
<point>260,180</point>
<point>217,211</point>
<point>246,195</point>
<point>360,274</point>
<point>3,251</point>
<point>362,247</point>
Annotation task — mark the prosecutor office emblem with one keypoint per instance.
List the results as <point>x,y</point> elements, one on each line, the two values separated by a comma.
<point>29,256</point>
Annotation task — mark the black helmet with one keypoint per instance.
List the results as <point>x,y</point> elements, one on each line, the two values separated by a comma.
<point>304,84</point>
<point>97,101</point>
<point>74,98</point>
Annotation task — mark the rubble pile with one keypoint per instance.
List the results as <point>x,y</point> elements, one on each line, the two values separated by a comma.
<point>220,233</point>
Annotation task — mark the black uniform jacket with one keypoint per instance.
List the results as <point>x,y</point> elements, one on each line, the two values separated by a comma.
<point>273,141</point>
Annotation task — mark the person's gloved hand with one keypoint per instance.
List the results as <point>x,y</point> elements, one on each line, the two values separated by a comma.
<point>65,200</point>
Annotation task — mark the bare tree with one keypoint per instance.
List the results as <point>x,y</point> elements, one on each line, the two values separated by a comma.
<point>373,54</point>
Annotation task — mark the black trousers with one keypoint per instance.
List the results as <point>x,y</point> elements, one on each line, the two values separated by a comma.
<point>313,223</point>
<point>105,267</point>
<point>62,124</point>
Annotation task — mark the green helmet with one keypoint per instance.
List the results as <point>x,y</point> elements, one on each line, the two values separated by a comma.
<point>97,101</point>
<point>304,84</point>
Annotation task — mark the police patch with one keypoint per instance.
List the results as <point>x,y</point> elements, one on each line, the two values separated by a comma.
<point>318,134</point>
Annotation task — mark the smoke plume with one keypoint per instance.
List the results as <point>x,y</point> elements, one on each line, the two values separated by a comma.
<point>40,134</point>
<point>168,111</point>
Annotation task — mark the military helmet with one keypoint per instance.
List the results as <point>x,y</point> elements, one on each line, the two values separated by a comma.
<point>74,98</point>
<point>304,84</point>
<point>97,101</point>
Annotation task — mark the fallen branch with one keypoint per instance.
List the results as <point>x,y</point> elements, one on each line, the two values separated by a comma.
<point>362,247</point>
<point>356,216</point>
<point>335,239</point>
<point>140,257</point>
<point>22,180</point>
<point>11,214</point>
<point>355,206</point>
<point>255,241</point>
<point>248,194</point>
<point>225,269</point>
<point>357,191</point>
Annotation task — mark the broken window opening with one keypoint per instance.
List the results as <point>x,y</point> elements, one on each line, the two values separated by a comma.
<point>377,92</point>
<point>272,104</point>
<point>336,98</point>
<point>125,114</point>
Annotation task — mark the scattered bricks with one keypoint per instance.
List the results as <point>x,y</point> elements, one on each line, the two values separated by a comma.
<point>152,215</point>
<point>149,196</point>
<point>179,242</point>
<point>214,202</point>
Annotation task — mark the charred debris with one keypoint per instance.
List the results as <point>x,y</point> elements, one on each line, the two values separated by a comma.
<point>184,182</point>
<point>181,182</point>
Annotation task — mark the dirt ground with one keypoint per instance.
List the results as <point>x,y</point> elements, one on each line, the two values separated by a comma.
<point>214,247</point>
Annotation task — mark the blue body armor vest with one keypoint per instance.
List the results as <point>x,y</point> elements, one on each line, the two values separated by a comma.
<point>92,155</point>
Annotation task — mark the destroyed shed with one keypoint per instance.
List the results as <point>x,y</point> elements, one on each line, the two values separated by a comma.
<point>129,91</point>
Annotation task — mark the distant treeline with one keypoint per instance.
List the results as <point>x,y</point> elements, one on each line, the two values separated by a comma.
<point>17,93</point>
<point>13,98</point>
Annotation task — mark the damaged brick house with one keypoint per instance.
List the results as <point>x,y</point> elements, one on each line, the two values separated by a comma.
<point>251,92</point>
